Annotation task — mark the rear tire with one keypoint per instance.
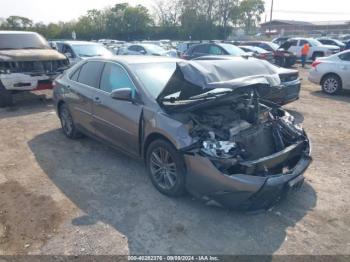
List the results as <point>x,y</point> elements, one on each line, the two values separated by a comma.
<point>166,168</point>
<point>331,84</point>
<point>67,123</point>
<point>6,98</point>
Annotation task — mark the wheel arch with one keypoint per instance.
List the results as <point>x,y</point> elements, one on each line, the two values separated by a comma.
<point>150,138</point>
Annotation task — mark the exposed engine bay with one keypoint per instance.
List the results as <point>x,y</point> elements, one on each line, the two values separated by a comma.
<point>247,136</point>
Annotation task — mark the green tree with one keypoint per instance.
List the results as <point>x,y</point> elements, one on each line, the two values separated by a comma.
<point>251,10</point>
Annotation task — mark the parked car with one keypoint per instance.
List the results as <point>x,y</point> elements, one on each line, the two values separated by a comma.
<point>347,45</point>
<point>146,49</point>
<point>194,129</point>
<point>258,52</point>
<point>332,72</point>
<point>76,51</point>
<point>184,46</point>
<point>27,63</point>
<point>317,49</point>
<point>213,49</point>
<point>331,41</point>
<point>280,40</point>
<point>282,56</point>
<point>287,92</point>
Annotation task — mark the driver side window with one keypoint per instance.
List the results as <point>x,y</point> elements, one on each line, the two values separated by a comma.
<point>115,77</point>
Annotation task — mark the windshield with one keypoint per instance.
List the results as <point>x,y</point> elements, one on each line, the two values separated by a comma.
<point>155,49</point>
<point>274,46</point>
<point>314,42</point>
<point>154,77</point>
<point>233,50</point>
<point>338,42</point>
<point>23,41</point>
<point>91,50</point>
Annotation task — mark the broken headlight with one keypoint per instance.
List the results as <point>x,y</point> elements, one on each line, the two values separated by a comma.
<point>219,149</point>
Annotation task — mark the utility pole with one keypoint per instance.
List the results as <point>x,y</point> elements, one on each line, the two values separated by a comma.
<point>271,11</point>
<point>271,15</point>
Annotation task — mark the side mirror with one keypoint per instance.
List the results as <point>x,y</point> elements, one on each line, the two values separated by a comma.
<point>124,94</point>
<point>143,52</point>
<point>68,55</point>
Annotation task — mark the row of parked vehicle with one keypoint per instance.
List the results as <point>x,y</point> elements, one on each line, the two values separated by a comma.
<point>26,55</point>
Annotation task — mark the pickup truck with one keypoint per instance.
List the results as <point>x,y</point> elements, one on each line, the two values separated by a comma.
<point>317,49</point>
<point>27,63</point>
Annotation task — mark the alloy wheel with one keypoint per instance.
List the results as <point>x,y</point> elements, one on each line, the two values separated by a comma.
<point>163,168</point>
<point>330,85</point>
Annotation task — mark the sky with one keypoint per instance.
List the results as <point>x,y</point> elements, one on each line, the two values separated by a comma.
<point>65,10</point>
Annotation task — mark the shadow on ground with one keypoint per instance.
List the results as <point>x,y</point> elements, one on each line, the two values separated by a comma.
<point>114,189</point>
<point>343,96</point>
<point>27,103</point>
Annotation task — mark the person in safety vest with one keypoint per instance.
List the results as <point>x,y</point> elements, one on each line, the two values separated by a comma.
<point>304,52</point>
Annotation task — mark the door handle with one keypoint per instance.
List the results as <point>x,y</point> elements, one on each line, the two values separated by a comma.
<point>97,100</point>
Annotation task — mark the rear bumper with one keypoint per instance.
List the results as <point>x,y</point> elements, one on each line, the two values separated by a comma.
<point>287,93</point>
<point>314,77</point>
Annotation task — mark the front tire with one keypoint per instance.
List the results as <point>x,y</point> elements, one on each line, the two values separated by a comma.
<point>166,168</point>
<point>331,84</point>
<point>67,123</point>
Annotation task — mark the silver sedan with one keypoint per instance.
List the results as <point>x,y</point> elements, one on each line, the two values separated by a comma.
<point>332,73</point>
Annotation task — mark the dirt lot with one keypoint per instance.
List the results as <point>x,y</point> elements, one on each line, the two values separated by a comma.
<point>59,196</point>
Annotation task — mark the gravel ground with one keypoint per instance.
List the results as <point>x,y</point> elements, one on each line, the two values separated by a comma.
<point>59,196</point>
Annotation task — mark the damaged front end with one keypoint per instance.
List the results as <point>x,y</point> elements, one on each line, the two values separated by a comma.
<point>247,152</point>
<point>30,75</point>
<point>250,143</point>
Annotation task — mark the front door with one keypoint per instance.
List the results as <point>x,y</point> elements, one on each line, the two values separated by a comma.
<point>116,121</point>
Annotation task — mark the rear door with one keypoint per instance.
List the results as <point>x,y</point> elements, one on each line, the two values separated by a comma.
<point>83,85</point>
<point>116,121</point>
<point>344,69</point>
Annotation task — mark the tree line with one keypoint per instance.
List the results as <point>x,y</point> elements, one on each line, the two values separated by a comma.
<point>176,19</point>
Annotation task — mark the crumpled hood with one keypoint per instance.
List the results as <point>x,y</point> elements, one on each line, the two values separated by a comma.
<point>30,55</point>
<point>196,77</point>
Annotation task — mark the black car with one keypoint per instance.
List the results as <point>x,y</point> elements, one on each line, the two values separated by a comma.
<point>282,56</point>
<point>216,49</point>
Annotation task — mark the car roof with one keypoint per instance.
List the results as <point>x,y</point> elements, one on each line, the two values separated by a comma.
<point>17,32</point>
<point>137,59</point>
<point>69,42</point>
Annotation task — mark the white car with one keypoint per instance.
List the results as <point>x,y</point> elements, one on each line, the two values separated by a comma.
<point>317,49</point>
<point>76,51</point>
<point>146,49</point>
<point>332,73</point>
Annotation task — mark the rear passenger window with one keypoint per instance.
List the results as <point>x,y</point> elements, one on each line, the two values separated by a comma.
<point>90,73</point>
<point>75,75</point>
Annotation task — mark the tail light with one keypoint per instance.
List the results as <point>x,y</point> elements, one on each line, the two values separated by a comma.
<point>263,56</point>
<point>315,64</point>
